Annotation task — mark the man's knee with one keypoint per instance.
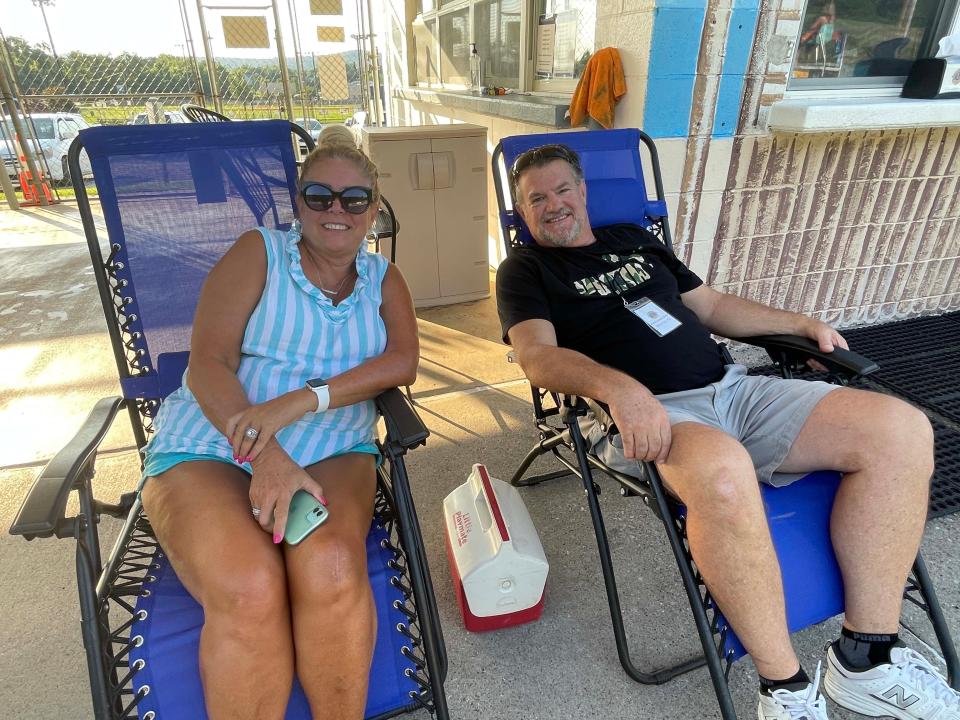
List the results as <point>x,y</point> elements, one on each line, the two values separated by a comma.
<point>898,435</point>
<point>724,484</point>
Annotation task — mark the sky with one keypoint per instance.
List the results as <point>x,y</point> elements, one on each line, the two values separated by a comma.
<point>151,27</point>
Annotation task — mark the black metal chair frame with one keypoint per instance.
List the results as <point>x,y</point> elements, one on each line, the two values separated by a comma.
<point>198,113</point>
<point>108,590</point>
<point>565,441</point>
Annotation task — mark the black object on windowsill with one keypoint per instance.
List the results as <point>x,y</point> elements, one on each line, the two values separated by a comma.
<point>933,78</point>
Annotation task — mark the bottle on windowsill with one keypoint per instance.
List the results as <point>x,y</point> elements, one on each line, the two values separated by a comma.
<point>476,71</point>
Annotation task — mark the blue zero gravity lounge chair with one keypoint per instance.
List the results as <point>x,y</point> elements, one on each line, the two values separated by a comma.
<point>174,198</point>
<point>798,514</point>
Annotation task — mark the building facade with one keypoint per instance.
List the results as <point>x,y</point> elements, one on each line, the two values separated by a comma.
<point>795,174</point>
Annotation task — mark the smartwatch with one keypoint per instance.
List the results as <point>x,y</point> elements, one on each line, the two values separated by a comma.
<point>319,387</point>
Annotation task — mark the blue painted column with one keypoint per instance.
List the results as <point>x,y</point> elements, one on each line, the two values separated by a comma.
<point>674,51</point>
<point>740,35</point>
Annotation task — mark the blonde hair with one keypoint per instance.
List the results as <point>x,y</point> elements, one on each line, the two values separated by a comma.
<point>337,135</point>
<point>337,142</point>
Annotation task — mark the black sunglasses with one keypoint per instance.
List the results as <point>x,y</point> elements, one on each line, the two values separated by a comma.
<point>354,200</point>
<point>543,154</point>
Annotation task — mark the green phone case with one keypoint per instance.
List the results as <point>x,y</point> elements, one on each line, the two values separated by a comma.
<point>306,515</point>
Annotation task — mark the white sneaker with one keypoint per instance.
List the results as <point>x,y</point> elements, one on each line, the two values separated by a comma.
<point>806,704</point>
<point>908,688</point>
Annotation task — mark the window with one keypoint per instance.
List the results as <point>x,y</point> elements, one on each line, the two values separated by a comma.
<point>524,44</point>
<point>496,26</point>
<point>565,41</point>
<point>866,43</point>
<point>425,49</point>
<point>455,47</point>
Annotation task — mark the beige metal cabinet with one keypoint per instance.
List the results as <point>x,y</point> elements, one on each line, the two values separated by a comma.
<point>435,179</point>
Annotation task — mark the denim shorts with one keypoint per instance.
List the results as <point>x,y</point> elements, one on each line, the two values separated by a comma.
<point>765,414</point>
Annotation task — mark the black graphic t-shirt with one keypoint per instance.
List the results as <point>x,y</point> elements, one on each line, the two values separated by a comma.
<point>581,291</point>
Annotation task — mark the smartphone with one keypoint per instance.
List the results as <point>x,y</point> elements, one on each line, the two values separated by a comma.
<point>306,514</point>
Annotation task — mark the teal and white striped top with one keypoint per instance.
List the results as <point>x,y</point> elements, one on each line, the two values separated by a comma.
<point>294,333</point>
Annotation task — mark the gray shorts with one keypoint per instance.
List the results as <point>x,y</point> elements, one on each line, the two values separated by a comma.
<point>765,414</point>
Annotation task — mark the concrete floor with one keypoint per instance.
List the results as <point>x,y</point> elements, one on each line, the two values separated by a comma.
<point>57,362</point>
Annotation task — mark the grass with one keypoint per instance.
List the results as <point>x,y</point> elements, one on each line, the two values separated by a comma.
<point>65,192</point>
<point>120,114</point>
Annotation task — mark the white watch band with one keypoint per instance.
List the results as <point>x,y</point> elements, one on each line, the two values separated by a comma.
<point>323,396</point>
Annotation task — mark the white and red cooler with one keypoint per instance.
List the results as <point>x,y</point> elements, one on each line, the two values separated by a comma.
<point>496,559</point>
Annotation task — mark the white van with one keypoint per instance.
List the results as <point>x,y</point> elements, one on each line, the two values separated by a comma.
<point>54,132</point>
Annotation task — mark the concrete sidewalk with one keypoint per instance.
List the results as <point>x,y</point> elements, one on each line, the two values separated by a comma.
<point>57,362</point>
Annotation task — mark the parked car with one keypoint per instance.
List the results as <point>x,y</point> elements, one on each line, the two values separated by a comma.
<point>169,116</point>
<point>54,133</point>
<point>311,125</point>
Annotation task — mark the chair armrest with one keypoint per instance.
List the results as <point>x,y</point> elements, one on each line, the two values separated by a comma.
<point>404,426</point>
<point>45,506</point>
<point>797,350</point>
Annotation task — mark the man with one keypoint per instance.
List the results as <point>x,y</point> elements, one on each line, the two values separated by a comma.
<point>612,315</point>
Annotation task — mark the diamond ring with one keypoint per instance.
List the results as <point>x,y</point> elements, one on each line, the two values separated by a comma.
<point>252,433</point>
<point>255,510</point>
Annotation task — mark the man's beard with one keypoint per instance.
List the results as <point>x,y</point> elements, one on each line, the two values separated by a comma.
<point>557,236</point>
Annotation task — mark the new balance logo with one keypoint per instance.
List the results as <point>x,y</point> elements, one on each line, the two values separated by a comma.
<point>898,695</point>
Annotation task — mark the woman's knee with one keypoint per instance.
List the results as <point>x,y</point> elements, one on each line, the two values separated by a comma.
<point>335,571</point>
<point>252,593</point>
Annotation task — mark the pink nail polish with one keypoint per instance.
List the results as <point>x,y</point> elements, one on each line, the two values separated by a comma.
<point>277,539</point>
<point>247,459</point>
<point>322,500</point>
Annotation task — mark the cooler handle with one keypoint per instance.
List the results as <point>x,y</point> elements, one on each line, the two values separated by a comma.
<point>489,498</point>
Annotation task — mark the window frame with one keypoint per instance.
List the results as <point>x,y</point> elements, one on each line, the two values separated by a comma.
<point>879,86</point>
<point>439,9</point>
<point>528,81</point>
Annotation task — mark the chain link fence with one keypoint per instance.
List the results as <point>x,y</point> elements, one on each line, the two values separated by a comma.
<point>226,58</point>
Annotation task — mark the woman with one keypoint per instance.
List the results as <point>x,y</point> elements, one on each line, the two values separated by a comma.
<point>245,432</point>
<point>822,26</point>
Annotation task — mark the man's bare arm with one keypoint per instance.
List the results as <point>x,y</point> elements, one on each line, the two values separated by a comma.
<point>733,316</point>
<point>642,421</point>
<point>558,369</point>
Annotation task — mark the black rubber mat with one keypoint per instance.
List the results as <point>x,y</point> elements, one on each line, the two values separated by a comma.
<point>932,381</point>
<point>894,342</point>
<point>919,360</point>
<point>945,488</point>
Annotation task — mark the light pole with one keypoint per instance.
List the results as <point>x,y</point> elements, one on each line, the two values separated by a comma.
<point>42,4</point>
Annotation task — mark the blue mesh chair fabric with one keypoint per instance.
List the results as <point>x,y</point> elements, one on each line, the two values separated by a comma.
<point>612,168</point>
<point>171,643</point>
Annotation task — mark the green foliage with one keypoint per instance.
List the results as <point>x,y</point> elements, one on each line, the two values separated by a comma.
<point>123,83</point>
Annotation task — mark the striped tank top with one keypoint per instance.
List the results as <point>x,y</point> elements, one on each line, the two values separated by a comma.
<point>295,333</point>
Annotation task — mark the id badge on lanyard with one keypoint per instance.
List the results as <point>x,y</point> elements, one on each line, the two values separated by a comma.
<point>654,316</point>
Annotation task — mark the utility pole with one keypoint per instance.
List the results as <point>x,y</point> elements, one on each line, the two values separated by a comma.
<point>191,53</point>
<point>374,68</point>
<point>362,60</point>
<point>41,4</point>
<point>301,81</point>
<point>211,66</point>
<point>361,72</point>
<point>284,75</point>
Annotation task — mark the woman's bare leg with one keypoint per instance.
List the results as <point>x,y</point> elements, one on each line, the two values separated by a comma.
<point>334,619</point>
<point>200,512</point>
